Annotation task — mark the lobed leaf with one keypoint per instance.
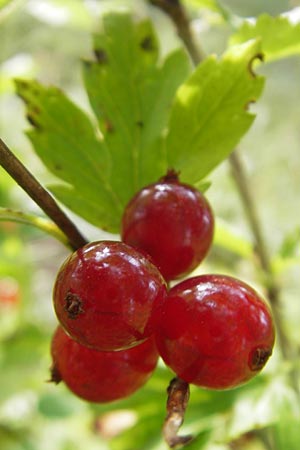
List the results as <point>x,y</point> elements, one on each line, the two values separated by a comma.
<point>66,142</point>
<point>279,37</point>
<point>210,113</point>
<point>130,91</point>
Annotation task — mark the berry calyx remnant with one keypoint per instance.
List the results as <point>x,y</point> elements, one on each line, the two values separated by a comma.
<point>215,331</point>
<point>106,295</point>
<point>98,376</point>
<point>172,222</point>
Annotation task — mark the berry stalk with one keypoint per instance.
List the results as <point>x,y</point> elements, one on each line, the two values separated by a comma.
<point>13,166</point>
<point>178,397</point>
<point>43,224</point>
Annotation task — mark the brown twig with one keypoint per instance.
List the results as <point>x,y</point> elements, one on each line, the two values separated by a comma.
<point>240,177</point>
<point>178,397</point>
<point>39,195</point>
<point>176,12</point>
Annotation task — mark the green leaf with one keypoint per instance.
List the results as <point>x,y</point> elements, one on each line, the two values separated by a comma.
<point>66,142</point>
<point>100,166</point>
<point>130,91</point>
<point>263,405</point>
<point>210,114</point>
<point>279,37</point>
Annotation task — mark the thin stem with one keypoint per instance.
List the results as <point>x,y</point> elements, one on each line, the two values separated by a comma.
<point>240,177</point>
<point>43,224</point>
<point>178,397</point>
<point>176,12</point>
<point>273,291</point>
<point>39,195</point>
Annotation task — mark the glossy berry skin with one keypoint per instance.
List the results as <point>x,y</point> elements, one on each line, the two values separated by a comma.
<point>105,295</point>
<point>215,331</point>
<point>101,376</point>
<point>172,222</point>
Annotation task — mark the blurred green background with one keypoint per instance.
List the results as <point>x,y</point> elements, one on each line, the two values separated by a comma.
<point>46,39</point>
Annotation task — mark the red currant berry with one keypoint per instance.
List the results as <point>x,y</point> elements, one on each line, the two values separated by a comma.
<point>101,376</point>
<point>172,222</point>
<point>215,331</point>
<point>105,295</point>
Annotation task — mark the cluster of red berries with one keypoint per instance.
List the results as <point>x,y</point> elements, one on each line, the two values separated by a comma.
<point>117,314</point>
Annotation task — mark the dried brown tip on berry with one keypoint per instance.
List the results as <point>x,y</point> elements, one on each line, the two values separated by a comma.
<point>73,305</point>
<point>55,375</point>
<point>172,176</point>
<point>258,358</point>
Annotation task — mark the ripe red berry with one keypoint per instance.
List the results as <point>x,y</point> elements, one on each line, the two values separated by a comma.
<point>172,222</point>
<point>215,331</point>
<point>101,376</point>
<point>105,295</point>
